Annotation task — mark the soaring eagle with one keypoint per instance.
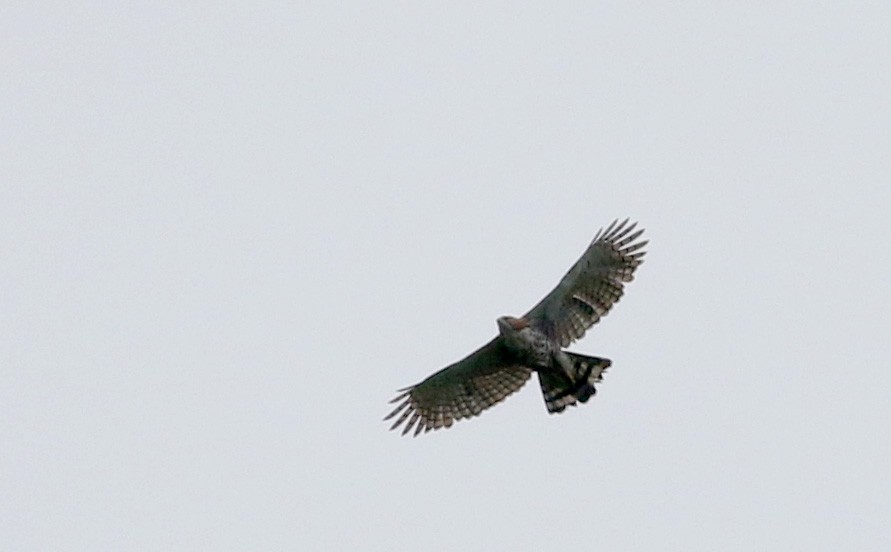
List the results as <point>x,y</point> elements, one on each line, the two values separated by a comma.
<point>534,342</point>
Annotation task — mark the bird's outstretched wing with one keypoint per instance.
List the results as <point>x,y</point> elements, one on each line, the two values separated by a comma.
<point>592,285</point>
<point>461,390</point>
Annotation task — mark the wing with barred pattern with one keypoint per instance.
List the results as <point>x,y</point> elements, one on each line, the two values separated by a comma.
<point>592,286</point>
<point>461,390</point>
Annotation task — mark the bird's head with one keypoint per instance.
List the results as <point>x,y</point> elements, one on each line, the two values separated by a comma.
<point>508,325</point>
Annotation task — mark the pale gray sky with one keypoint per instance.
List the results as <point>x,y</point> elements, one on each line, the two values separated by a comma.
<point>230,233</point>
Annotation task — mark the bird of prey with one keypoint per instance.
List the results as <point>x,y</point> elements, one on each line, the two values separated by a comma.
<point>533,343</point>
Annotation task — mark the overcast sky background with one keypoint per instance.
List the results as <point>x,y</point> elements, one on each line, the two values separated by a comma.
<point>230,233</point>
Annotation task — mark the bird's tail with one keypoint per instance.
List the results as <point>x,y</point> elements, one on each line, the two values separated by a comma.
<point>561,390</point>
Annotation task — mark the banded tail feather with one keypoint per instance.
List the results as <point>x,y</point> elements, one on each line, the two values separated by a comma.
<point>559,392</point>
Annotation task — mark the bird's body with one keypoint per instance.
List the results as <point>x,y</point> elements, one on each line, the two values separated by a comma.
<point>530,346</point>
<point>534,342</point>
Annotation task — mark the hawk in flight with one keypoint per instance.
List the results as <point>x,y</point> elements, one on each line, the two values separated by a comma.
<point>533,343</point>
